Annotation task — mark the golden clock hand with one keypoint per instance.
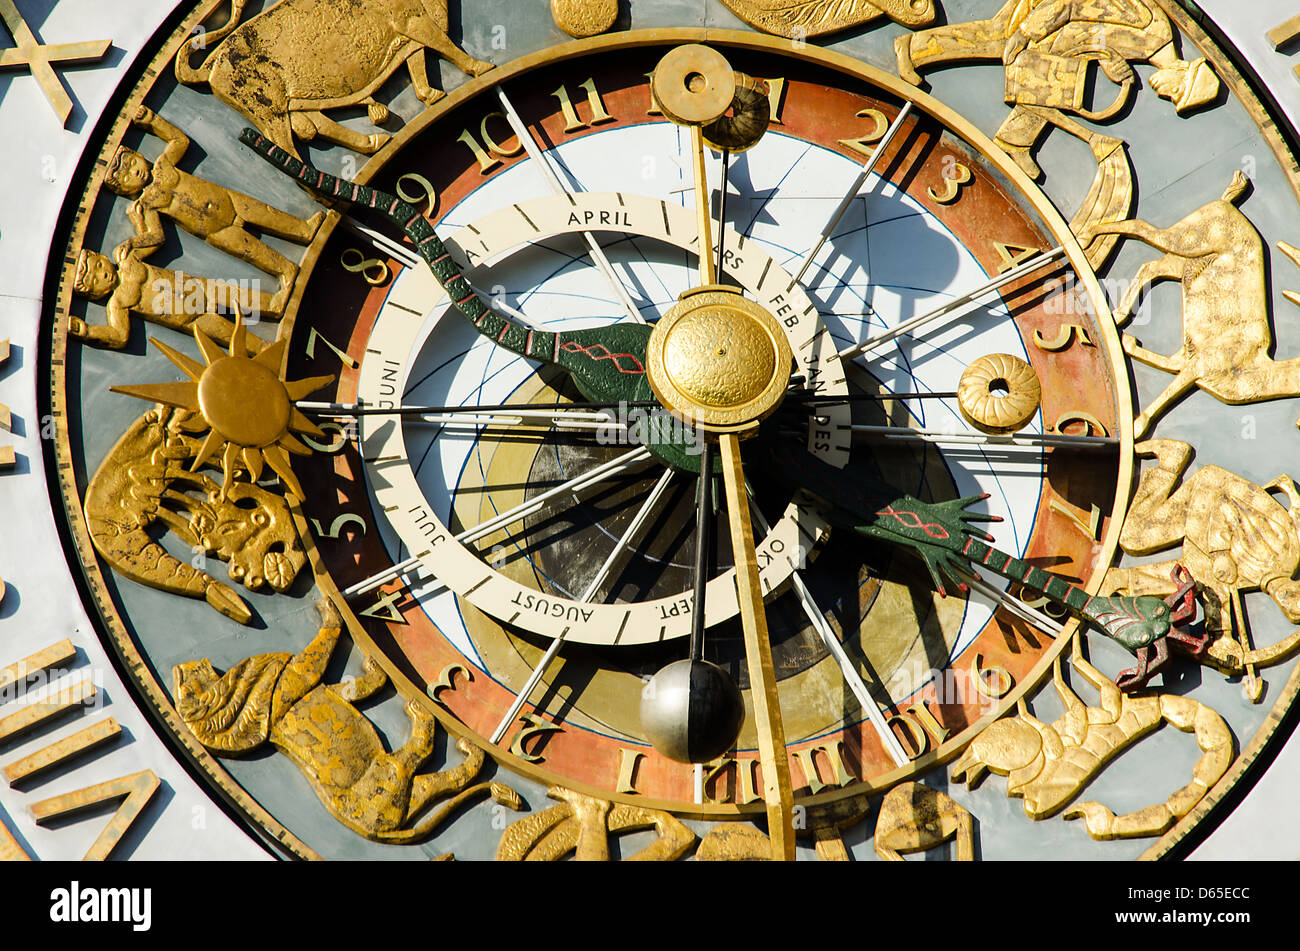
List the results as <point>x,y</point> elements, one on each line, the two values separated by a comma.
<point>777,792</point>
<point>708,275</point>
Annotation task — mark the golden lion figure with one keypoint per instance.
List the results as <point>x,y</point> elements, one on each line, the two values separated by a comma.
<point>279,697</point>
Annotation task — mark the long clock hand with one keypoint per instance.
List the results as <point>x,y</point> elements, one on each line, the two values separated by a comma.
<point>944,535</point>
<point>606,363</point>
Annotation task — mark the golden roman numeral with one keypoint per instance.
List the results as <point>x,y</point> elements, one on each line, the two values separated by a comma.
<point>138,788</point>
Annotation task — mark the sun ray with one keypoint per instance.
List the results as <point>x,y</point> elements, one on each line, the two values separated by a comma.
<point>272,356</point>
<point>210,349</point>
<point>184,394</point>
<point>297,389</point>
<point>293,444</point>
<point>253,462</point>
<point>231,460</point>
<point>278,460</point>
<point>301,424</point>
<point>209,449</point>
<point>238,339</point>
<point>188,365</point>
<point>245,402</point>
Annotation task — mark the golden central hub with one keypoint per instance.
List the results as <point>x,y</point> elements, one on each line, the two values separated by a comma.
<point>718,360</point>
<point>719,356</point>
<point>244,401</point>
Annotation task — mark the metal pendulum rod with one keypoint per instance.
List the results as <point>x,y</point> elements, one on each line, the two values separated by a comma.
<point>703,537</point>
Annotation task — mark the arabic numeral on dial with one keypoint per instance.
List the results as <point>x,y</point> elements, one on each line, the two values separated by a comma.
<point>1092,426</point>
<point>597,106</point>
<point>336,526</point>
<point>316,335</point>
<point>426,192</point>
<point>833,755</point>
<point>372,270</point>
<point>954,176</point>
<point>862,144</point>
<point>1089,528</point>
<point>385,608</point>
<point>484,153</point>
<point>536,726</point>
<point>346,432</point>
<point>627,762</point>
<point>1066,334</point>
<point>918,727</point>
<point>993,681</point>
<point>1013,254</point>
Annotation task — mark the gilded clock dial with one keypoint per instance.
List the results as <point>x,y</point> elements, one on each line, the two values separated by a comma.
<point>917,242</point>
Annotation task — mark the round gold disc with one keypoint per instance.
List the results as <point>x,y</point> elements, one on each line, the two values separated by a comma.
<point>244,401</point>
<point>693,84</point>
<point>999,393</point>
<point>718,360</point>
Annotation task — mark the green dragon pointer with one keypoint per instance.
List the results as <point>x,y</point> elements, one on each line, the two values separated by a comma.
<point>607,364</point>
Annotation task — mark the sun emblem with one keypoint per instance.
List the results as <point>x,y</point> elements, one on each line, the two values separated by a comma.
<point>246,402</point>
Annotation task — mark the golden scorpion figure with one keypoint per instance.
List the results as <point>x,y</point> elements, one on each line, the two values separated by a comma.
<point>1049,764</point>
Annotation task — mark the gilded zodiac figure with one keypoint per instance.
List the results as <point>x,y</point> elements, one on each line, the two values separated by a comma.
<point>913,818</point>
<point>279,698</point>
<point>1046,47</point>
<point>144,484</point>
<point>582,825</point>
<point>170,298</point>
<point>284,66</point>
<point>1047,765</point>
<point>218,215</point>
<point>1218,257</point>
<point>1236,537</point>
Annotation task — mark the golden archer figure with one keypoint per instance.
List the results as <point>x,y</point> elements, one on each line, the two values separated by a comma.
<point>1046,48</point>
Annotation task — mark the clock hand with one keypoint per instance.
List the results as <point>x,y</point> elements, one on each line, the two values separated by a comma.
<point>705,240</point>
<point>722,211</point>
<point>950,310</point>
<point>577,484</point>
<point>847,201</point>
<point>832,643</point>
<point>944,536</point>
<point>543,164</point>
<point>1016,606</point>
<point>629,536</point>
<point>606,363</point>
<point>1025,440</point>
<point>777,790</point>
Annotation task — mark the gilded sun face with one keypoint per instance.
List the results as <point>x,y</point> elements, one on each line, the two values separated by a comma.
<point>246,403</point>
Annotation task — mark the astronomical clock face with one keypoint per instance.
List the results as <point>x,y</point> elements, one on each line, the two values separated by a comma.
<point>733,430</point>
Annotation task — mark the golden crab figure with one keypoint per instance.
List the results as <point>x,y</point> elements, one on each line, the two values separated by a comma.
<point>246,403</point>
